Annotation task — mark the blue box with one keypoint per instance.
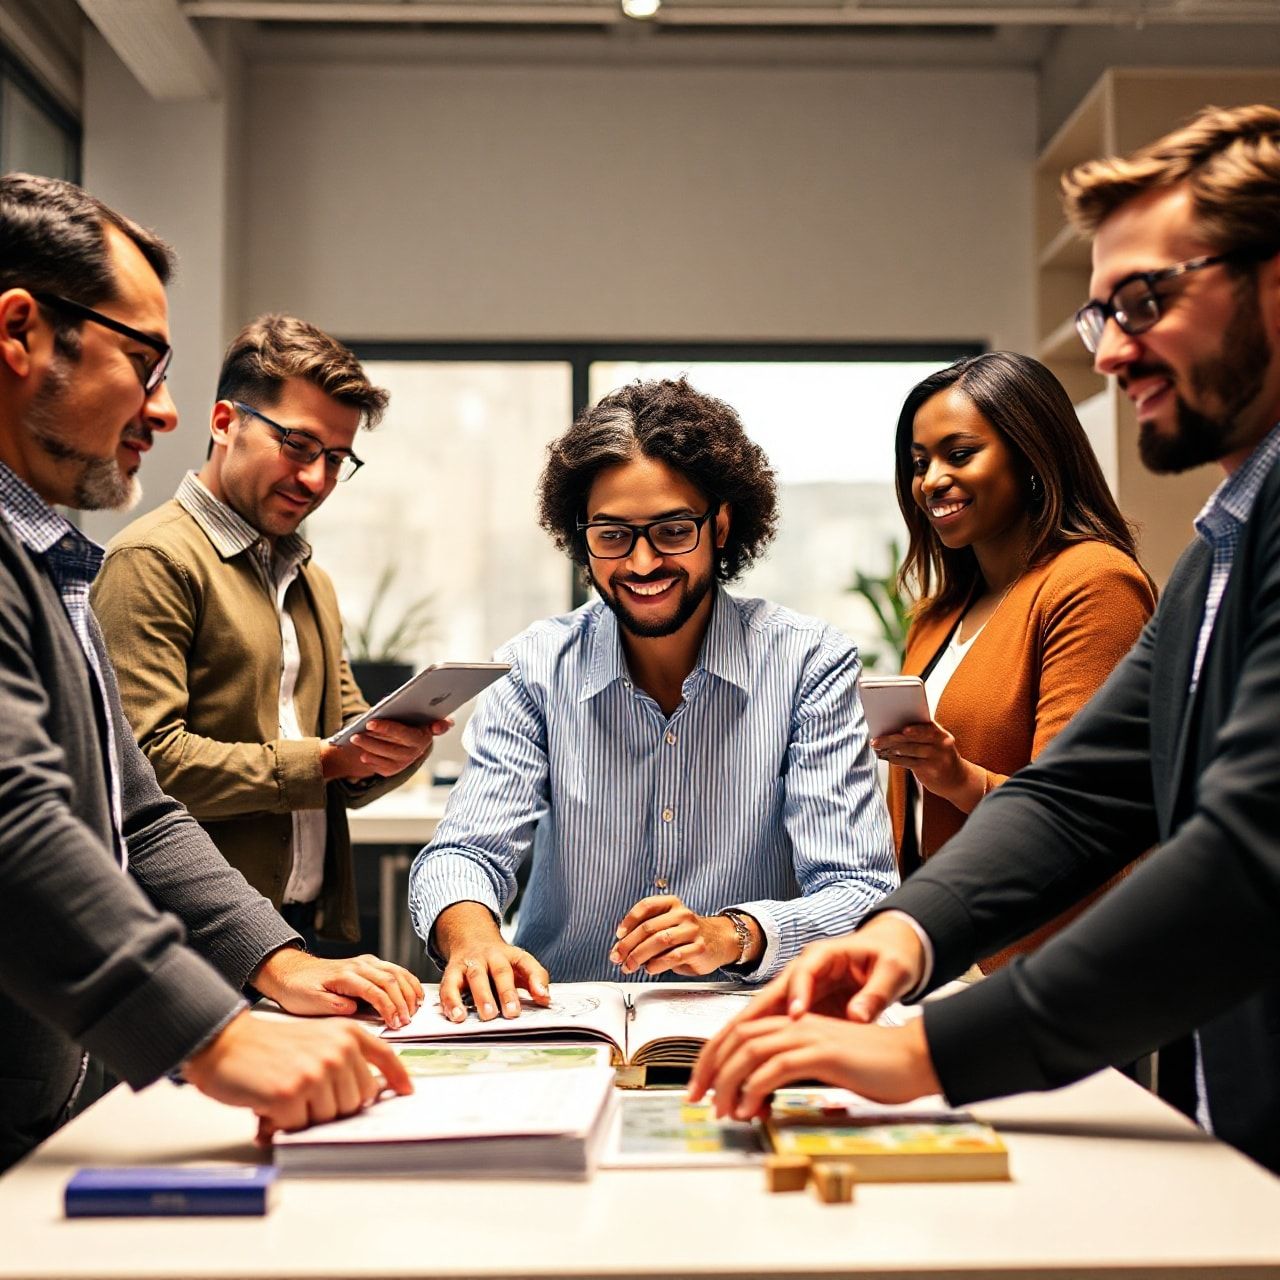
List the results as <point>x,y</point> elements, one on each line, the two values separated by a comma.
<point>170,1191</point>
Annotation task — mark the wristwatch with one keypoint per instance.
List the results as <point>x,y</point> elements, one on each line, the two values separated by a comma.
<point>742,931</point>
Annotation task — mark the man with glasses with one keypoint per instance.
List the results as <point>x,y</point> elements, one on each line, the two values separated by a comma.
<point>1179,749</point>
<point>125,940</point>
<point>696,765</point>
<point>228,638</point>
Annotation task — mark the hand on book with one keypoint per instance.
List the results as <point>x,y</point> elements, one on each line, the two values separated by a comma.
<point>305,984</point>
<point>747,1061</point>
<point>295,1074</point>
<point>481,963</point>
<point>660,934</point>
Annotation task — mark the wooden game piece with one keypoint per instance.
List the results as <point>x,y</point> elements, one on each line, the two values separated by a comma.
<point>786,1173</point>
<point>833,1181</point>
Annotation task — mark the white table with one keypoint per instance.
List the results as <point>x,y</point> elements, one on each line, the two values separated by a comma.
<point>1107,1181</point>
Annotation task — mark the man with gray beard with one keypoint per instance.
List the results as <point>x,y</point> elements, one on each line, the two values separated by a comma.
<point>123,933</point>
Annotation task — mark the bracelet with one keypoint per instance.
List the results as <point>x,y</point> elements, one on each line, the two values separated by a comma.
<point>742,932</point>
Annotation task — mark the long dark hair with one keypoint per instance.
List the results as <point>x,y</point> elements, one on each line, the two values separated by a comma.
<point>1028,406</point>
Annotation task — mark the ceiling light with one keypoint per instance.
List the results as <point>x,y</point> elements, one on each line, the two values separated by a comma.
<point>641,9</point>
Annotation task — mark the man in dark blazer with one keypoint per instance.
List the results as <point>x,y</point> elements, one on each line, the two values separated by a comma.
<point>123,933</point>
<point>1180,749</point>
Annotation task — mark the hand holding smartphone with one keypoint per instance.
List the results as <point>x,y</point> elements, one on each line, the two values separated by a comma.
<point>890,703</point>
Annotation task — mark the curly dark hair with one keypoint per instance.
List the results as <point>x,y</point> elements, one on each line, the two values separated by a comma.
<point>695,434</point>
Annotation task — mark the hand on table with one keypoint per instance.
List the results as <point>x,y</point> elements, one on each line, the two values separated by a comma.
<point>746,1063</point>
<point>485,966</point>
<point>929,751</point>
<point>295,1074</point>
<point>382,749</point>
<point>305,984</point>
<point>660,934</point>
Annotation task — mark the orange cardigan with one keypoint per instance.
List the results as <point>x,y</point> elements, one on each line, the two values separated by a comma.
<point>1041,656</point>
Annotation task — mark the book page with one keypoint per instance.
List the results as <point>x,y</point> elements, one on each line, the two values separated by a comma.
<point>660,1129</point>
<point>466,1106</point>
<point>672,1022</point>
<point>594,1010</point>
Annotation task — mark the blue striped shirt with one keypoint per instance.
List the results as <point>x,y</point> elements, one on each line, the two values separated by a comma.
<point>759,792</point>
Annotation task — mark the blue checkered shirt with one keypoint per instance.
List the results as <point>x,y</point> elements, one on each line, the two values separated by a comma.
<point>71,561</point>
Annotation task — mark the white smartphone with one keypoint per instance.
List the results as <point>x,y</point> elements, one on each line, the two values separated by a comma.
<point>890,703</point>
<point>432,694</point>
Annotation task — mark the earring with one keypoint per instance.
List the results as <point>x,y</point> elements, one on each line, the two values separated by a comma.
<point>1037,489</point>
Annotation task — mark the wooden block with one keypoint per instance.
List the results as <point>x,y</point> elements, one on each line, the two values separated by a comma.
<point>833,1181</point>
<point>786,1173</point>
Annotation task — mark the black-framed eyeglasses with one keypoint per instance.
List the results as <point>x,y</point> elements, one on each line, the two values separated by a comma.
<point>303,448</point>
<point>1134,303</point>
<point>674,536</point>
<point>151,373</point>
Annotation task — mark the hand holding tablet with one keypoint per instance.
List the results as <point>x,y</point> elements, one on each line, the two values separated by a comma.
<point>430,695</point>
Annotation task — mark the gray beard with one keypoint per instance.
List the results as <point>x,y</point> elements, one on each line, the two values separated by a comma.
<point>100,484</point>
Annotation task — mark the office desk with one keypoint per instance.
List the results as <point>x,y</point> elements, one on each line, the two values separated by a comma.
<point>1107,1182</point>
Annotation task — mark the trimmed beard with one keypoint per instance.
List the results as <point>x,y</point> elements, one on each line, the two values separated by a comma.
<point>100,484</point>
<point>694,593</point>
<point>1234,378</point>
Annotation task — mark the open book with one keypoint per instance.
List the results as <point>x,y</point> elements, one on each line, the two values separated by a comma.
<point>645,1024</point>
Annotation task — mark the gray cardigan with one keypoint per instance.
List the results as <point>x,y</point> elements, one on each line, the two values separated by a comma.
<point>137,969</point>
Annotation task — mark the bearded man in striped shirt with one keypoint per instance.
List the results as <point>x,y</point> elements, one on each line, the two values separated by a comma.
<point>695,765</point>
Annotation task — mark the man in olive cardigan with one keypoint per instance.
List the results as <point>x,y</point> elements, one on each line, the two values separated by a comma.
<point>228,639</point>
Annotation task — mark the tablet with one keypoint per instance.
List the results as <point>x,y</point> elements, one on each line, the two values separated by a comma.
<point>430,695</point>
<point>890,703</point>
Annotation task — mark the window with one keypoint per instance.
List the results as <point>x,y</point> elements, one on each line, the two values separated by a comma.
<point>448,499</point>
<point>36,135</point>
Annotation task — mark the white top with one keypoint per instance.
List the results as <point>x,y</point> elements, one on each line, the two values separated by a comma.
<point>943,670</point>
<point>306,875</point>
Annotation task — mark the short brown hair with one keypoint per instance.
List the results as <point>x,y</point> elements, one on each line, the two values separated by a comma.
<point>270,350</point>
<point>1229,157</point>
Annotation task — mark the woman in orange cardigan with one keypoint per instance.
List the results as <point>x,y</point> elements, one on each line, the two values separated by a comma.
<point>1028,583</point>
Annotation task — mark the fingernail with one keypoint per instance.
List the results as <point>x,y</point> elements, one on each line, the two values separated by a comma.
<point>512,1007</point>
<point>621,933</point>
<point>374,724</point>
<point>457,1014</point>
<point>796,1008</point>
<point>614,956</point>
<point>489,1010</point>
<point>742,1113</point>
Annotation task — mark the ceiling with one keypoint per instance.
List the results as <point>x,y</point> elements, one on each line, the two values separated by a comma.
<point>161,41</point>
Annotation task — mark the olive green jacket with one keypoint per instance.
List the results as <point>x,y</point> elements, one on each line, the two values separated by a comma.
<point>195,640</point>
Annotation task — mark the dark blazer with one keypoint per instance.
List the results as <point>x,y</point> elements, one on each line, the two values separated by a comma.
<point>91,958</point>
<point>1190,939</point>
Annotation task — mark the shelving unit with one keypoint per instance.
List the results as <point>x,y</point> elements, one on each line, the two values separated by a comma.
<point>1125,109</point>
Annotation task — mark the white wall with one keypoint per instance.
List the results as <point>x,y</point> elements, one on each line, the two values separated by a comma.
<point>650,202</point>
<point>172,167</point>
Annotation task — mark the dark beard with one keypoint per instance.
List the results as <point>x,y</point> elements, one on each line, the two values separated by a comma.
<point>1234,378</point>
<point>694,594</point>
